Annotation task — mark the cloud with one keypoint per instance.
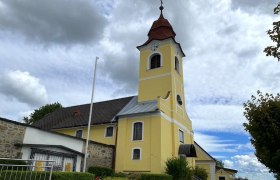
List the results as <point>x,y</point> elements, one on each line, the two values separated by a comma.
<point>53,22</point>
<point>248,166</point>
<point>23,87</point>
<point>257,6</point>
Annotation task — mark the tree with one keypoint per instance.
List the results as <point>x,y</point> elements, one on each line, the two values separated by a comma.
<point>219,163</point>
<point>274,35</point>
<point>41,112</point>
<point>263,115</point>
<point>178,168</point>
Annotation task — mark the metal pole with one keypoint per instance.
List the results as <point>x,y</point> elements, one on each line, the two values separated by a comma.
<point>89,119</point>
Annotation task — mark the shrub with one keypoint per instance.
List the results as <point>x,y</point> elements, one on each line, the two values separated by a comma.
<point>178,168</point>
<point>134,176</point>
<point>156,177</point>
<point>100,171</point>
<point>200,172</point>
<point>14,162</point>
<point>120,174</point>
<point>18,175</point>
<point>72,176</point>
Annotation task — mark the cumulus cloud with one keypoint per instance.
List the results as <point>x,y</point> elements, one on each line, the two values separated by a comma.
<point>23,87</point>
<point>258,6</point>
<point>53,22</point>
<point>248,166</point>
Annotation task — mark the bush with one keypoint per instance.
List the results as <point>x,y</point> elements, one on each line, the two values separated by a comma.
<point>120,174</point>
<point>14,162</point>
<point>200,172</point>
<point>156,177</point>
<point>17,175</point>
<point>178,168</point>
<point>101,171</point>
<point>134,176</point>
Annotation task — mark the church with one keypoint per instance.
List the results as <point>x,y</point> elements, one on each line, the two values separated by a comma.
<point>147,129</point>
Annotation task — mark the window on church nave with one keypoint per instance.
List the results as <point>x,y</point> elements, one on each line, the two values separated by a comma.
<point>181,136</point>
<point>177,67</point>
<point>109,131</point>
<point>79,133</point>
<point>136,154</point>
<point>155,61</point>
<point>137,131</point>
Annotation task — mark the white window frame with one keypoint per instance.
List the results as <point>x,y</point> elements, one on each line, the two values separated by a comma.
<point>149,61</point>
<point>132,153</point>
<point>179,131</point>
<point>178,71</point>
<point>105,134</point>
<point>79,130</point>
<point>132,131</point>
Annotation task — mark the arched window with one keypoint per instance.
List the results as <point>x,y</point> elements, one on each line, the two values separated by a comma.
<point>136,154</point>
<point>137,131</point>
<point>155,61</point>
<point>177,67</point>
<point>79,133</point>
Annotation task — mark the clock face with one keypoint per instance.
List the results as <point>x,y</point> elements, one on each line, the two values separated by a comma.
<point>154,46</point>
<point>179,100</point>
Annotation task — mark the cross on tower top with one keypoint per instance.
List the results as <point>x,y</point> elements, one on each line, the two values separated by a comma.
<point>161,7</point>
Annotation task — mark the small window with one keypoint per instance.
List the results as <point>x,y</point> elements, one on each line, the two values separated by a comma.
<point>155,61</point>
<point>79,133</point>
<point>136,154</point>
<point>222,178</point>
<point>137,131</point>
<point>181,136</point>
<point>179,100</point>
<point>177,67</point>
<point>109,131</point>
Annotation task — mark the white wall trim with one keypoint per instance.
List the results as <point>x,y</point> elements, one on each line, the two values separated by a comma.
<point>176,122</point>
<point>157,76</point>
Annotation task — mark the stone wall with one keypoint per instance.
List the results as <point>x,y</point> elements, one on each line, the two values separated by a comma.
<point>10,134</point>
<point>100,155</point>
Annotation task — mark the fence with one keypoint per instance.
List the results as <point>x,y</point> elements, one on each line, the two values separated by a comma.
<point>30,169</point>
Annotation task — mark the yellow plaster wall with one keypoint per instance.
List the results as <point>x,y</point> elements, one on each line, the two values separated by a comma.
<point>224,173</point>
<point>150,145</point>
<point>97,133</point>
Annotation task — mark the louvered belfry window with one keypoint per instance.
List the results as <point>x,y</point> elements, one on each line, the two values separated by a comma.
<point>155,61</point>
<point>137,131</point>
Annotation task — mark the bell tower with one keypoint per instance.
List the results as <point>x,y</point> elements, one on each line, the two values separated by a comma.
<point>160,69</point>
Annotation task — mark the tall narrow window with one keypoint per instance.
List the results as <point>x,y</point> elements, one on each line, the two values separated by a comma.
<point>136,154</point>
<point>181,136</point>
<point>155,61</point>
<point>177,67</point>
<point>109,132</point>
<point>137,131</point>
<point>79,133</point>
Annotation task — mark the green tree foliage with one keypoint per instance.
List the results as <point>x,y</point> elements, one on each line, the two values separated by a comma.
<point>41,112</point>
<point>200,172</point>
<point>219,163</point>
<point>178,168</point>
<point>263,115</point>
<point>274,35</point>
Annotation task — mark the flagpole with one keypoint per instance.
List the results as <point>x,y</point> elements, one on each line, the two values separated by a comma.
<point>90,114</point>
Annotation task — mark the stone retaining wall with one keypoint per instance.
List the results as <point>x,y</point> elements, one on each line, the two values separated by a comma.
<point>10,134</point>
<point>100,155</point>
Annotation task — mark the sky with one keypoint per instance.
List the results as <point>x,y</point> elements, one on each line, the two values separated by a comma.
<point>48,48</point>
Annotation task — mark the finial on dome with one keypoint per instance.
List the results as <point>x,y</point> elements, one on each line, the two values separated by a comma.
<point>161,7</point>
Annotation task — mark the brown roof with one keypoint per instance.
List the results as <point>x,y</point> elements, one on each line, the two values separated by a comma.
<point>226,169</point>
<point>103,112</point>
<point>161,30</point>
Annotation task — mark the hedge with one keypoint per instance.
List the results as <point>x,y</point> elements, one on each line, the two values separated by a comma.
<point>17,175</point>
<point>156,177</point>
<point>101,171</point>
<point>14,162</point>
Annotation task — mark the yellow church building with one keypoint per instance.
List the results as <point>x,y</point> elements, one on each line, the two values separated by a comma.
<point>149,128</point>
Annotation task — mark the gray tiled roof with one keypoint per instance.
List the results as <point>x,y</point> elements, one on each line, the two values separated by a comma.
<point>133,107</point>
<point>103,112</point>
